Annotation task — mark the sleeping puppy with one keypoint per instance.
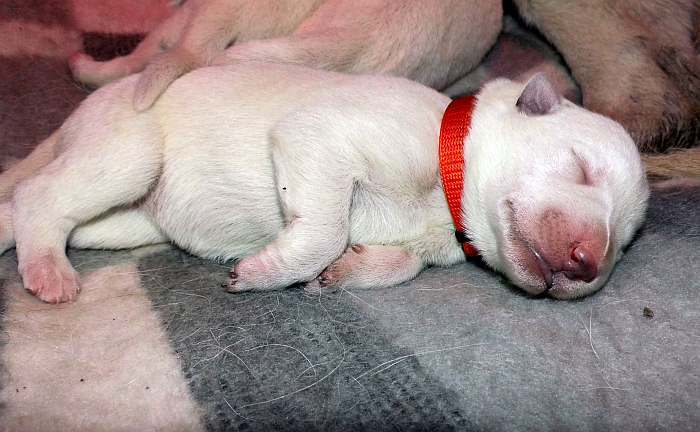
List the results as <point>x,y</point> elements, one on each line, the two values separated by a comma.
<point>432,42</point>
<point>329,179</point>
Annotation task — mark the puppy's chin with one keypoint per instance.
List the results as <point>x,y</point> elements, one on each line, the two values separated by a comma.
<point>530,264</point>
<point>527,270</point>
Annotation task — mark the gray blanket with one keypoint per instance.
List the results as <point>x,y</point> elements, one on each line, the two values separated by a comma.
<point>153,342</point>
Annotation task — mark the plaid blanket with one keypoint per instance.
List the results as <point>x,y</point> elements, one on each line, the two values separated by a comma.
<point>153,342</point>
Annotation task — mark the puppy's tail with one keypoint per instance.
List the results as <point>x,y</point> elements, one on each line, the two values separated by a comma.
<point>673,164</point>
<point>159,74</point>
<point>20,170</point>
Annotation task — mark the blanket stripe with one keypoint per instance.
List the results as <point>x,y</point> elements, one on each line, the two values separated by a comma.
<point>101,363</point>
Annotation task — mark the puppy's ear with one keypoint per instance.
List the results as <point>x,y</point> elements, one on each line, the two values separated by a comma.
<point>539,97</point>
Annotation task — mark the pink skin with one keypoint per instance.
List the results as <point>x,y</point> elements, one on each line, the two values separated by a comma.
<point>557,253</point>
<point>250,273</point>
<point>360,266</point>
<point>342,267</point>
<point>51,278</point>
<point>370,266</point>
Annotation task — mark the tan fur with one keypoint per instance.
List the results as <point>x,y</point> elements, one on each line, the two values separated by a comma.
<point>677,163</point>
<point>636,61</point>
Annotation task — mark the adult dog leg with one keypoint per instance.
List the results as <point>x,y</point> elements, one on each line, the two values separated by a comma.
<point>79,185</point>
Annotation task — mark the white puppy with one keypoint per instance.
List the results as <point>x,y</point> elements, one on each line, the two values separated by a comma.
<point>433,42</point>
<point>296,170</point>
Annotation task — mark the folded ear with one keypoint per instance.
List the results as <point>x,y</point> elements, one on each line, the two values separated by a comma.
<point>539,97</point>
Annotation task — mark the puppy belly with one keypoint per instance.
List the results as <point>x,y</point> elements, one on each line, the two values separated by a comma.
<point>201,229</point>
<point>220,218</point>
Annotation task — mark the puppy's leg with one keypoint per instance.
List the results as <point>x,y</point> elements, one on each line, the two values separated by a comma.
<point>315,187</point>
<point>38,158</point>
<point>96,73</point>
<point>210,28</point>
<point>373,266</point>
<point>25,168</point>
<point>377,266</point>
<point>78,186</point>
<point>119,229</point>
<point>123,228</point>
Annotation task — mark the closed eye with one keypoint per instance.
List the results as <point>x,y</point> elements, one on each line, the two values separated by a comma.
<point>586,177</point>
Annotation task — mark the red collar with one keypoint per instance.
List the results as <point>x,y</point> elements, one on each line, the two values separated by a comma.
<point>455,127</point>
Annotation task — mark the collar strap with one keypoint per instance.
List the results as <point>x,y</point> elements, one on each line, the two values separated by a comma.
<point>456,123</point>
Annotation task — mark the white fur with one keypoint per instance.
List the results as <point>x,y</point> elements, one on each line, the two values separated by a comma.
<point>285,167</point>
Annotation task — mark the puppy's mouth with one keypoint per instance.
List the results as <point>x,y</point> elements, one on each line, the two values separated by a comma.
<point>544,268</point>
<point>532,272</point>
<point>529,270</point>
<point>561,263</point>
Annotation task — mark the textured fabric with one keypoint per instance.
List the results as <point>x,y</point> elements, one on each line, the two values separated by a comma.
<point>154,343</point>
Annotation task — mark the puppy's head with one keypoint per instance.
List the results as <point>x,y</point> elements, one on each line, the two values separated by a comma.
<point>553,192</point>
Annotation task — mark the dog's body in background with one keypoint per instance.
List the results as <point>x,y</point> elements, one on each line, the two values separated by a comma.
<point>433,42</point>
<point>312,170</point>
<point>636,62</point>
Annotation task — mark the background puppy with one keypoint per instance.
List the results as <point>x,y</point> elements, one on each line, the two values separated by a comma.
<point>636,61</point>
<point>631,65</point>
<point>429,42</point>
<point>543,202</point>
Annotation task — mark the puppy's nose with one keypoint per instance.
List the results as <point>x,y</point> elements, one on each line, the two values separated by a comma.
<point>581,264</point>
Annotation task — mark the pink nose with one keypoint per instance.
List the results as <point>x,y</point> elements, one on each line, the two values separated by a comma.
<point>581,265</point>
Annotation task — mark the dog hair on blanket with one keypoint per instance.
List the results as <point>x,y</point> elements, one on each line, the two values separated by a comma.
<point>327,179</point>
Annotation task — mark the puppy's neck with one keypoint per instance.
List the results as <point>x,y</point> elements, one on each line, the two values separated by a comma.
<point>456,123</point>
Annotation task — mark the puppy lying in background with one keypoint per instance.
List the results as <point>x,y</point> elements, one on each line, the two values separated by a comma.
<point>433,42</point>
<point>331,179</point>
<point>637,61</point>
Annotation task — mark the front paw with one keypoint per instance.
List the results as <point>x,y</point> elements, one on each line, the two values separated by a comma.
<point>233,285</point>
<point>255,273</point>
<point>340,271</point>
<point>51,279</point>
